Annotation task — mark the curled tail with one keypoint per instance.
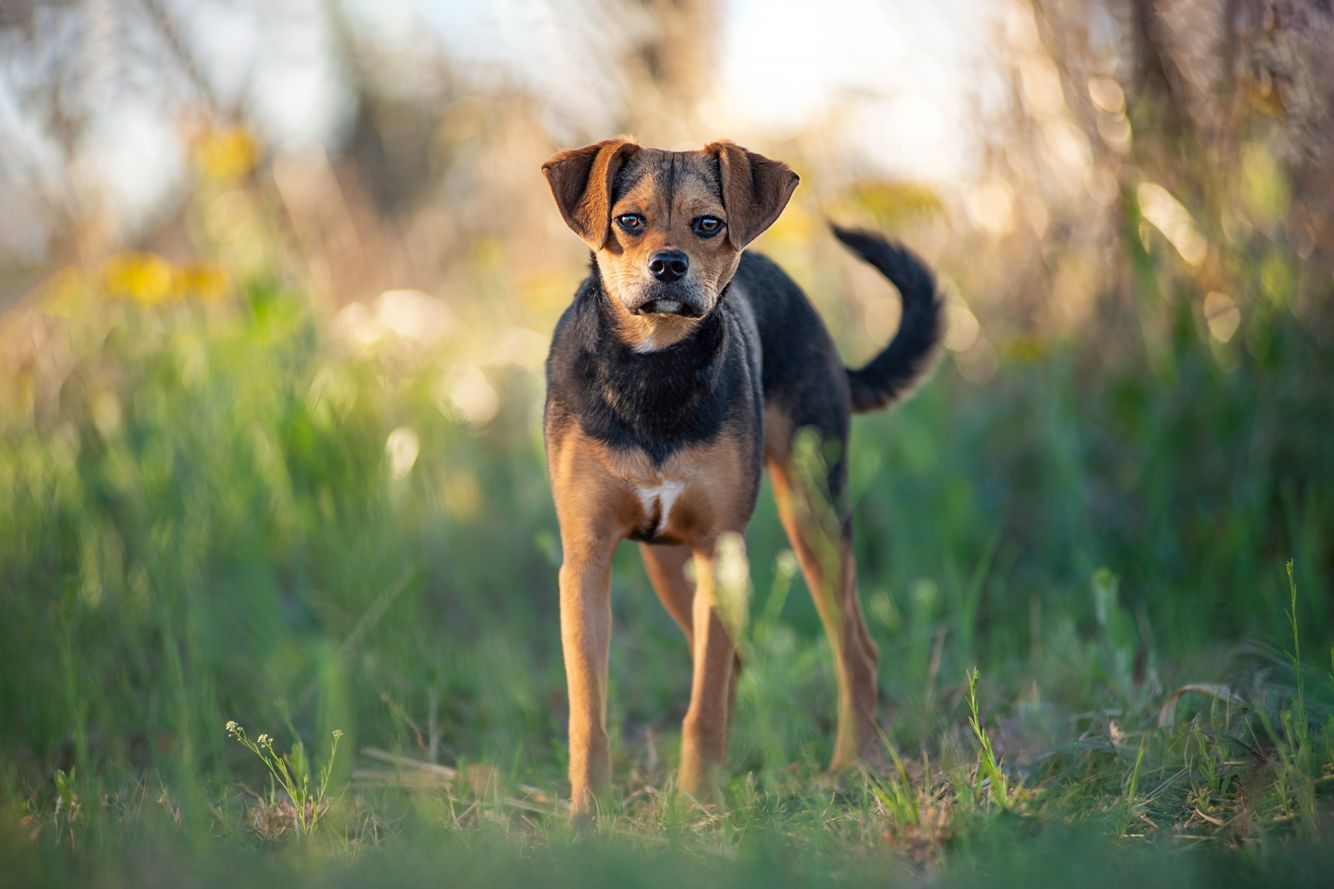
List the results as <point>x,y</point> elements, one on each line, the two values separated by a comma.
<point>904,362</point>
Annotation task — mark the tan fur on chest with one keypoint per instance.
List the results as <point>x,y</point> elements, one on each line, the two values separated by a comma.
<point>692,497</point>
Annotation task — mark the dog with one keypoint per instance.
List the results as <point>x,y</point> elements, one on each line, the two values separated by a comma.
<point>683,366</point>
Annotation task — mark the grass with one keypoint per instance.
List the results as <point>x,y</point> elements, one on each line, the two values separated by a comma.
<point>227,510</point>
<point>292,772</point>
<point>998,786</point>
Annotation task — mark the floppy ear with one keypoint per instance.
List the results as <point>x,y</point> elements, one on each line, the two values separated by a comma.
<point>755,190</point>
<point>581,180</point>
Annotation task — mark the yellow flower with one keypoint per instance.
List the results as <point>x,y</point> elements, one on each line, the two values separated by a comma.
<point>205,280</point>
<point>226,154</point>
<point>143,277</point>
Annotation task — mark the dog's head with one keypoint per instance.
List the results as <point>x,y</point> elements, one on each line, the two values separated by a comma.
<point>666,227</point>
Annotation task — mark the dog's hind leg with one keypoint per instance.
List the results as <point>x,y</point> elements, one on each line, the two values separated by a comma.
<point>666,567</point>
<point>822,539</point>
<point>704,732</point>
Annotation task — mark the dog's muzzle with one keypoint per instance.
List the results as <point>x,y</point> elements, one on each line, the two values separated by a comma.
<point>667,307</point>
<point>664,301</point>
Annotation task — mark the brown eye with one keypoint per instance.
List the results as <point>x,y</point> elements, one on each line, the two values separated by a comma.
<point>631,222</point>
<point>708,226</point>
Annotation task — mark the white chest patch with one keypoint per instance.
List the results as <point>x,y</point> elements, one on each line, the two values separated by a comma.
<point>661,496</point>
<point>646,345</point>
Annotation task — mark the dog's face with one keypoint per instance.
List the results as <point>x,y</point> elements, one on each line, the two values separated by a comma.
<point>666,227</point>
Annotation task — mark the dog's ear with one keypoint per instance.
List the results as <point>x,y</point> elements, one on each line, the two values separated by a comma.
<point>581,181</point>
<point>755,190</point>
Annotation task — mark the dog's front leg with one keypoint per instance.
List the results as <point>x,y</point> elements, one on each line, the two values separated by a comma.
<point>585,631</point>
<point>704,734</point>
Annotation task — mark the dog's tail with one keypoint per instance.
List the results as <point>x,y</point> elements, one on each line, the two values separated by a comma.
<point>904,362</point>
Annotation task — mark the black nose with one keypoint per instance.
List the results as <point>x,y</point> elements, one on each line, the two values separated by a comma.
<point>669,265</point>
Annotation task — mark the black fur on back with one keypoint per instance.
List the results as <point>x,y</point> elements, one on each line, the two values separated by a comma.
<point>905,361</point>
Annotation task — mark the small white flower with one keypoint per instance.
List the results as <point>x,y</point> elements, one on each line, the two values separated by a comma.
<point>402,446</point>
<point>466,392</point>
<point>264,741</point>
<point>232,727</point>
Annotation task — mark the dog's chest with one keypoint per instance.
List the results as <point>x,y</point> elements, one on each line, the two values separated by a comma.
<point>664,500</point>
<point>657,499</point>
<point>691,497</point>
<point>696,494</point>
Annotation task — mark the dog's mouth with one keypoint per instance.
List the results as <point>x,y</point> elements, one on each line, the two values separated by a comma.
<point>678,302</point>
<point>667,307</point>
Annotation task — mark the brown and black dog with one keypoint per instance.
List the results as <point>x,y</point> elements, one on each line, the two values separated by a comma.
<point>682,367</point>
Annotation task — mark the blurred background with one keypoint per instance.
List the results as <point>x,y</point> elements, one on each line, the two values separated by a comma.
<point>277,281</point>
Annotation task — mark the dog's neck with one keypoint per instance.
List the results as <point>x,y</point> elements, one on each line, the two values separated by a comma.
<point>654,400</point>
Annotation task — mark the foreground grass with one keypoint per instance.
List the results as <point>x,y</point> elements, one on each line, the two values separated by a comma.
<point>229,512</point>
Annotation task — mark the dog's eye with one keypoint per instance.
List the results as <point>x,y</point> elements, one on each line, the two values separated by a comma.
<point>631,222</point>
<point>708,226</point>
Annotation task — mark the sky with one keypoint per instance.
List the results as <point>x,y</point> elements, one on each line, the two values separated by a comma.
<point>901,73</point>
<point>904,66</point>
